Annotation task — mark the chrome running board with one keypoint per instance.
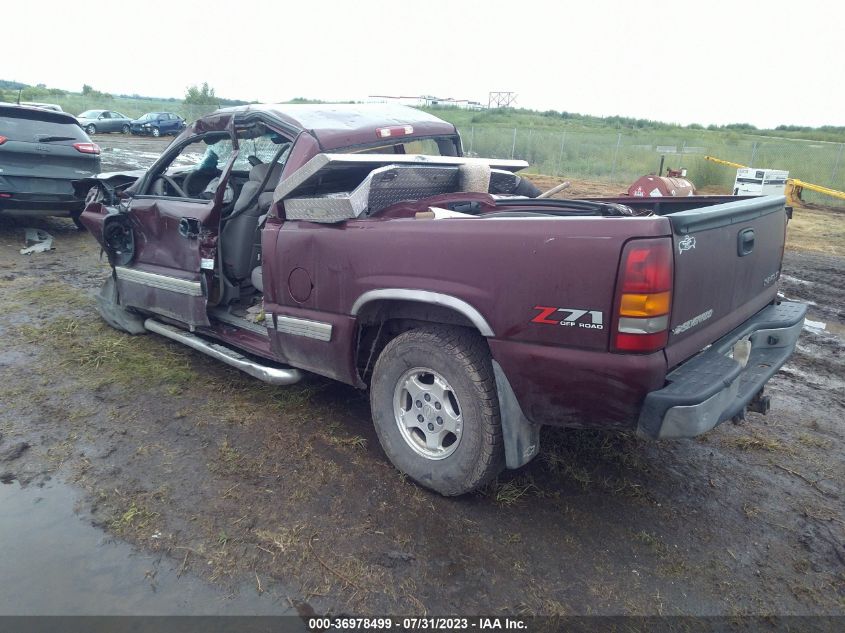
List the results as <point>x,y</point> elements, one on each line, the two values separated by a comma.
<point>273,375</point>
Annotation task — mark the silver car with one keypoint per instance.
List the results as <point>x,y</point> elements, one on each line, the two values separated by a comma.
<point>100,121</point>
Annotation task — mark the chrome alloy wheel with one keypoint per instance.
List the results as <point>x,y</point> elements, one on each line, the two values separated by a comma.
<point>427,413</point>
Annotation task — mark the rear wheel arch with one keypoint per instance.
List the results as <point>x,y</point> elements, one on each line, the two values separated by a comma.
<point>406,296</point>
<point>385,314</point>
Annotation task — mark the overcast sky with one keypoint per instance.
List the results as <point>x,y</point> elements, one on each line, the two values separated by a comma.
<point>705,61</point>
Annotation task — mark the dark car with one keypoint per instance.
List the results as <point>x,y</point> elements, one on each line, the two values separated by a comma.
<point>158,124</point>
<point>99,121</point>
<point>41,153</point>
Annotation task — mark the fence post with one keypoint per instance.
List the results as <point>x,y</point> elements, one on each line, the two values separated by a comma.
<point>513,147</point>
<point>836,166</point>
<point>560,157</point>
<point>615,154</point>
<point>528,155</point>
<point>471,138</point>
<point>753,154</point>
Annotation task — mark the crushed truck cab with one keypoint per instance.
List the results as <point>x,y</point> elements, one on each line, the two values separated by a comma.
<point>358,243</point>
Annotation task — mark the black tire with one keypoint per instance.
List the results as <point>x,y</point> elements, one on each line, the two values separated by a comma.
<point>117,316</point>
<point>91,129</point>
<point>156,132</point>
<point>462,359</point>
<point>77,222</point>
<point>124,129</point>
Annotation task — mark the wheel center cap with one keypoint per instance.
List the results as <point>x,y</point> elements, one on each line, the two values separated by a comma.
<point>428,410</point>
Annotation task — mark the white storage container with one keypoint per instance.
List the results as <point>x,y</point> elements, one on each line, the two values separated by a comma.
<point>760,182</point>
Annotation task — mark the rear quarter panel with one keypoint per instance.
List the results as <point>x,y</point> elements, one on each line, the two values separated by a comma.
<point>502,267</point>
<point>562,374</point>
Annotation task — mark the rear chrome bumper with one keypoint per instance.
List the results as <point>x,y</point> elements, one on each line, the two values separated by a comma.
<point>712,387</point>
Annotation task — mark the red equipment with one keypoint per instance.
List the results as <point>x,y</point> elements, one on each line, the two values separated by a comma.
<point>672,184</point>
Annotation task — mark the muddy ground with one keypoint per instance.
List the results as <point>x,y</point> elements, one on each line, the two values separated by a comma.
<point>287,488</point>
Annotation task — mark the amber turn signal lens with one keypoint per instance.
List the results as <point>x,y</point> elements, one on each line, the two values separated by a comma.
<point>640,305</point>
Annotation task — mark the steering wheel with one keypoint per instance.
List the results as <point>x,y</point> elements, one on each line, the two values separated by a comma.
<point>173,185</point>
<point>188,180</point>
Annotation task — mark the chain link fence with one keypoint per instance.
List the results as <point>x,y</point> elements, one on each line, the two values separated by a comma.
<point>622,157</point>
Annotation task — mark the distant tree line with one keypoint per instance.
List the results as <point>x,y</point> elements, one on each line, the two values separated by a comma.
<point>88,91</point>
<point>204,95</point>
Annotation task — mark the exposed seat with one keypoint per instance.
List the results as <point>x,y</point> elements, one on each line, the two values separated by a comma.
<point>240,238</point>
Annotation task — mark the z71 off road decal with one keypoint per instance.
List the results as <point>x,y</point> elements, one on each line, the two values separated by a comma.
<point>574,317</point>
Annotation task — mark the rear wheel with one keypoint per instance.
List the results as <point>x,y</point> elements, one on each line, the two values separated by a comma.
<point>435,409</point>
<point>125,129</point>
<point>91,129</point>
<point>76,220</point>
<point>156,132</point>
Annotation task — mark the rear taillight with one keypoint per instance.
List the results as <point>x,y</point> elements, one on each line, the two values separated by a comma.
<point>87,148</point>
<point>3,139</point>
<point>643,296</point>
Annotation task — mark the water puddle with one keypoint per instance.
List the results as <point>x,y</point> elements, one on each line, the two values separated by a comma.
<point>52,562</point>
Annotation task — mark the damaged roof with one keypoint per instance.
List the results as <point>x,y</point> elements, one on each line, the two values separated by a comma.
<point>342,124</point>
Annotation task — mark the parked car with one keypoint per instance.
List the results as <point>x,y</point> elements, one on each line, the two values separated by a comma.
<point>42,152</point>
<point>473,311</point>
<point>158,124</point>
<point>101,121</point>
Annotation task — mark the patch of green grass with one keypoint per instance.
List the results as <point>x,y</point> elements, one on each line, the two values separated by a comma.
<point>294,397</point>
<point>52,294</point>
<point>105,355</point>
<point>135,517</point>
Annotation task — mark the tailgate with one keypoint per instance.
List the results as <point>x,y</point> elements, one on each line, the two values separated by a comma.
<point>51,160</point>
<point>727,263</point>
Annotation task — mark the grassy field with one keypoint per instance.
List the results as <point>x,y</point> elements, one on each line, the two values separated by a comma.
<point>583,148</point>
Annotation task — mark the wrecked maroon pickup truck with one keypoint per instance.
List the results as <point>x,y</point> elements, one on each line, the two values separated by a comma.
<point>356,242</point>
